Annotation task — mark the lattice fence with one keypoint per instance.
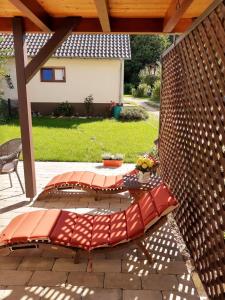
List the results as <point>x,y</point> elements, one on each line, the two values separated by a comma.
<point>192,143</point>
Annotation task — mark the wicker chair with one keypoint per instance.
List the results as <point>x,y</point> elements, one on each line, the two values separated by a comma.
<point>9,157</point>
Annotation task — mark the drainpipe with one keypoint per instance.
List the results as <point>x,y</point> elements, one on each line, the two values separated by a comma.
<point>121,80</point>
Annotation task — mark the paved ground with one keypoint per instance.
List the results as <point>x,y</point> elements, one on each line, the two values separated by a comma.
<point>144,103</point>
<point>117,275</point>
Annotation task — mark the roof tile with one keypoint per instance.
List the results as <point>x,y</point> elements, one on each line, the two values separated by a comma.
<point>82,45</point>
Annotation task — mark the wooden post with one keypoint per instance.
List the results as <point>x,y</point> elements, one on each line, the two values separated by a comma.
<point>24,108</point>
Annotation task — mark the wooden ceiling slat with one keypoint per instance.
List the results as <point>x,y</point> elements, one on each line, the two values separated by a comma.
<point>102,10</point>
<point>33,11</point>
<point>175,13</point>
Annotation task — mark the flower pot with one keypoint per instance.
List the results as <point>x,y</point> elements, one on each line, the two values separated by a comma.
<point>143,177</point>
<point>113,163</point>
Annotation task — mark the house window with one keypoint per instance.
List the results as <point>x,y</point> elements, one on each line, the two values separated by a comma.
<point>53,75</point>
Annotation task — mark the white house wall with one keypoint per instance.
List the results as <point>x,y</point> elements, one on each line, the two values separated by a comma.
<point>99,77</point>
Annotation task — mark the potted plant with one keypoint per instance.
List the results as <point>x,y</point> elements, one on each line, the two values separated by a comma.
<point>88,103</point>
<point>112,160</point>
<point>145,165</point>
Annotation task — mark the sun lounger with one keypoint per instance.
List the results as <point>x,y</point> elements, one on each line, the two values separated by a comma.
<point>88,232</point>
<point>88,181</point>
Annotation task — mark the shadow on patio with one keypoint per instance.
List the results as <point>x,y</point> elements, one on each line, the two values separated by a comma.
<point>45,273</point>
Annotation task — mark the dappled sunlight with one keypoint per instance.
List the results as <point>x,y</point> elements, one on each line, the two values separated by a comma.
<point>48,293</point>
<point>66,280</point>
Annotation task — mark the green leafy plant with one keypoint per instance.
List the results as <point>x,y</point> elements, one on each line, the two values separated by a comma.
<point>128,88</point>
<point>88,102</point>
<point>109,156</point>
<point>64,109</point>
<point>141,91</point>
<point>146,77</point>
<point>153,151</point>
<point>133,114</point>
<point>156,92</point>
<point>4,112</point>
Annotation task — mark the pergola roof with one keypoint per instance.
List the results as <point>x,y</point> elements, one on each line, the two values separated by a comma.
<point>124,16</point>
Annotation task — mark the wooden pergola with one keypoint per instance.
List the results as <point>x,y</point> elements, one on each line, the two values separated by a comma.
<point>62,17</point>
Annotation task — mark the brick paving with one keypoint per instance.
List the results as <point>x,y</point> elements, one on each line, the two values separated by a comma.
<point>120,274</point>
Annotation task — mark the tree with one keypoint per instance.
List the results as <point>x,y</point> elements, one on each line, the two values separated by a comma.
<point>145,50</point>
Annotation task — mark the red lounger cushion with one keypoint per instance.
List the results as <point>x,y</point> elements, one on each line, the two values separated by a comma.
<point>88,231</point>
<point>64,228</point>
<point>135,225</point>
<point>82,233</point>
<point>147,208</point>
<point>118,228</point>
<point>163,199</point>
<point>101,231</point>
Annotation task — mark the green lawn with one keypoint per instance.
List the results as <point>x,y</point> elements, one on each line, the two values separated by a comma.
<point>86,139</point>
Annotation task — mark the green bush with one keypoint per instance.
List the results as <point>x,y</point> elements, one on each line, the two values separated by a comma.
<point>141,91</point>
<point>133,114</point>
<point>128,88</point>
<point>4,112</point>
<point>146,77</point>
<point>64,109</point>
<point>88,103</point>
<point>156,92</point>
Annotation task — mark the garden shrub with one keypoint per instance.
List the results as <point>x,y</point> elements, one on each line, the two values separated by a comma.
<point>141,91</point>
<point>156,92</point>
<point>128,88</point>
<point>64,109</point>
<point>133,114</point>
<point>4,112</point>
<point>145,77</point>
<point>88,102</point>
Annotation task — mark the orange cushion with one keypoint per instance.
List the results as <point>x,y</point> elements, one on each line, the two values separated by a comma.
<point>64,228</point>
<point>75,177</point>
<point>162,198</point>
<point>110,181</point>
<point>118,228</point>
<point>87,178</point>
<point>7,233</point>
<point>28,224</point>
<point>98,181</point>
<point>147,208</point>
<point>46,224</point>
<point>135,226</point>
<point>81,236</point>
<point>101,230</point>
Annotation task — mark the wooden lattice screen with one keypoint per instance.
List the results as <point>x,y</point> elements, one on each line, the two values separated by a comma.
<point>192,143</point>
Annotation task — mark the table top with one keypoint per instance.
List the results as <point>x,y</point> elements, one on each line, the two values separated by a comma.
<point>131,182</point>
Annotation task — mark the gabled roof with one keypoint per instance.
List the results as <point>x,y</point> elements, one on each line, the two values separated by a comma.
<point>77,46</point>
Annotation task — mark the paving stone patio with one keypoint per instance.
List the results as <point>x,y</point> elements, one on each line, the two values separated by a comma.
<point>120,274</point>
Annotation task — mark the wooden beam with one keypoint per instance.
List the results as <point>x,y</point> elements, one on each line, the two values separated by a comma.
<point>35,12</point>
<point>24,108</point>
<point>50,47</point>
<point>103,15</point>
<point>175,13</point>
<point>92,25</point>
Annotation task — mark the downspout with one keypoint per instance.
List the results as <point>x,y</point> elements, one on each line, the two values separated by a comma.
<point>121,80</point>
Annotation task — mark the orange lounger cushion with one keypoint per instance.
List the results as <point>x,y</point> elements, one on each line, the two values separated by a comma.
<point>86,178</point>
<point>87,231</point>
